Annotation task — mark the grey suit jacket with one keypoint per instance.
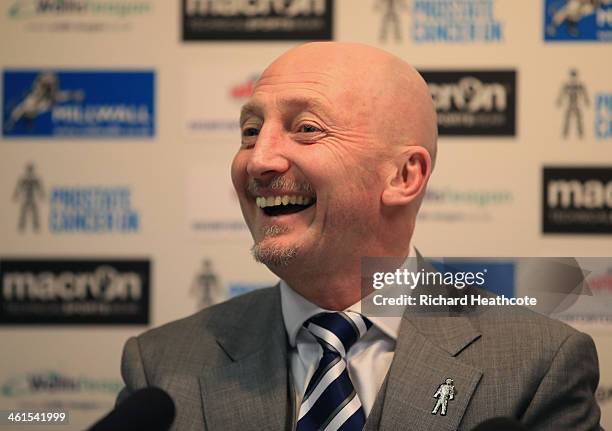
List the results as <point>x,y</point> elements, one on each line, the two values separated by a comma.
<point>226,368</point>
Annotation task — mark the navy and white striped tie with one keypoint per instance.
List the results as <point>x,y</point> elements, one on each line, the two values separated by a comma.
<point>330,402</point>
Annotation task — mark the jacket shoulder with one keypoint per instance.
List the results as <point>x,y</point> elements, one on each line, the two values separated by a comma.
<point>194,337</point>
<point>537,363</point>
<point>517,335</point>
<point>517,321</point>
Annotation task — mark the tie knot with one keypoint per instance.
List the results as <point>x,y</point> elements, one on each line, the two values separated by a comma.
<point>338,331</point>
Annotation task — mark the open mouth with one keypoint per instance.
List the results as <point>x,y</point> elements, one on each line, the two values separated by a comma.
<point>281,205</point>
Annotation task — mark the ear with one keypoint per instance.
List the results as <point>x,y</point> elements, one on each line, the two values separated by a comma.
<point>410,174</point>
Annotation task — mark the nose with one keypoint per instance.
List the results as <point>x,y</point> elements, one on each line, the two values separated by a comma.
<point>267,157</point>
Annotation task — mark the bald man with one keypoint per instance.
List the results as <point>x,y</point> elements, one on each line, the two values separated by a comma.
<point>337,144</point>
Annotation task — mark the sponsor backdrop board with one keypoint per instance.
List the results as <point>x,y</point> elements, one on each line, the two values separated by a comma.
<point>261,20</point>
<point>119,122</point>
<point>472,102</point>
<point>577,200</point>
<point>53,291</point>
<point>56,103</point>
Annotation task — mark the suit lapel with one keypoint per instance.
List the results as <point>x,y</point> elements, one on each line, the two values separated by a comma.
<point>425,356</point>
<point>373,419</point>
<point>254,387</point>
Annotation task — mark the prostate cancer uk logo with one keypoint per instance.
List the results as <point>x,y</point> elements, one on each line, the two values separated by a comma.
<point>452,21</point>
<point>74,209</point>
<point>95,104</point>
<point>578,20</point>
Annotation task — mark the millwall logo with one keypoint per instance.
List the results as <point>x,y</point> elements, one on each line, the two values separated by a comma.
<point>578,20</point>
<point>83,104</point>
<point>45,93</point>
<point>445,392</point>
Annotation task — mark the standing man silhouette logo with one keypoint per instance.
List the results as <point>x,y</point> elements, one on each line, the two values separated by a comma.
<point>29,189</point>
<point>206,286</point>
<point>445,392</point>
<point>391,19</point>
<point>573,94</point>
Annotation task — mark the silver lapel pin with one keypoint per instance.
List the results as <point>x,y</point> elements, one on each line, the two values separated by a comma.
<point>445,392</point>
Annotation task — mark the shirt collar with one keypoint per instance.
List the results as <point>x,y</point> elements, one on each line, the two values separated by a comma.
<point>296,310</point>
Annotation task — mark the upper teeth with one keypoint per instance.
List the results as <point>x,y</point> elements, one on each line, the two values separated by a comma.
<point>263,202</point>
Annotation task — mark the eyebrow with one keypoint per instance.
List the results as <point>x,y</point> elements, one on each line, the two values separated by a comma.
<point>295,103</point>
<point>249,108</point>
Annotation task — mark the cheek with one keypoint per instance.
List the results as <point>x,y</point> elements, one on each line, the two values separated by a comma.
<point>352,204</point>
<point>348,223</point>
<point>238,171</point>
<point>352,160</point>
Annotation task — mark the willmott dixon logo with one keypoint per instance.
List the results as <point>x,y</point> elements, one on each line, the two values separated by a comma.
<point>23,9</point>
<point>55,382</point>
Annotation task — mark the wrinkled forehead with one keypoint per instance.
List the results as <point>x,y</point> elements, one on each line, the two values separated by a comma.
<point>325,84</point>
<point>290,90</point>
<point>315,79</point>
<point>316,60</point>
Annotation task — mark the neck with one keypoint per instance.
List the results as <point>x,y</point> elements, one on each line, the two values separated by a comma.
<point>331,292</point>
<point>334,285</point>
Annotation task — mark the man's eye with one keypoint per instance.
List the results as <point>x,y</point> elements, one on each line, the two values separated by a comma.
<point>308,128</point>
<point>250,131</point>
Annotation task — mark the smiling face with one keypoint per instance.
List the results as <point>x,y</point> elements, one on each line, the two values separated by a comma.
<point>306,170</point>
<point>313,162</point>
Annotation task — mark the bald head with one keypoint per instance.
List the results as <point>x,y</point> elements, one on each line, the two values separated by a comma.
<point>381,89</point>
<point>337,143</point>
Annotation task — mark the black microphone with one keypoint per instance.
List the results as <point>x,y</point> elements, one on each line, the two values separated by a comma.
<point>500,424</point>
<point>148,409</point>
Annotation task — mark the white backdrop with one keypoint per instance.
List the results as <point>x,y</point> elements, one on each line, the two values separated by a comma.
<point>179,178</point>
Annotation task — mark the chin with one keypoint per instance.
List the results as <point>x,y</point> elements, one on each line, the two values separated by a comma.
<point>274,255</point>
